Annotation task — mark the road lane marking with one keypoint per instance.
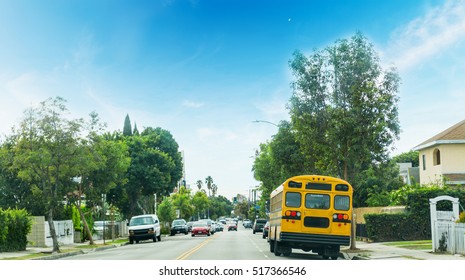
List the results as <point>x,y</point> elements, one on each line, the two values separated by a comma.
<point>185,255</point>
<point>256,246</point>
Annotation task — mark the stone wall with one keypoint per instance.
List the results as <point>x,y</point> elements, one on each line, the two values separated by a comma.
<point>360,212</point>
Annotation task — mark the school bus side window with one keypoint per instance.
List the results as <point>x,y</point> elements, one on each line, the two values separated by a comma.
<point>293,199</point>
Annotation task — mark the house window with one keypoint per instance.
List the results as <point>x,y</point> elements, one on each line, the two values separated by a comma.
<point>436,157</point>
<point>423,159</point>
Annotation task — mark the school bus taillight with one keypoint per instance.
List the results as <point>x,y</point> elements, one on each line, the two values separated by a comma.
<point>290,213</point>
<point>338,217</point>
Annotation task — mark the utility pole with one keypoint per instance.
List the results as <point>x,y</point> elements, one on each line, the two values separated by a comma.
<point>155,204</point>
<point>104,197</point>
<point>353,229</point>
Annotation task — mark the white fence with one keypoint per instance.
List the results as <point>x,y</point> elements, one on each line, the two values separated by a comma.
<point>446,234</point>
<point>112,230</point>
<point>40,232</point>
<point>450,237</point>
<point>64,231</point>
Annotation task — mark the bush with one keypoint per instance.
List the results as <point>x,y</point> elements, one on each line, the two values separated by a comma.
<point>390,227</point>
<point>15,224</point>
<point>461,218</point>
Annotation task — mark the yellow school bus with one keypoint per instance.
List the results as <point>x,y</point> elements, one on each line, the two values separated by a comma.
<point>312,213</point>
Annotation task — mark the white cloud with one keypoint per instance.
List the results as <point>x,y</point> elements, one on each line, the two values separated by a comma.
<point>192,104</point>
<point>429,35</point>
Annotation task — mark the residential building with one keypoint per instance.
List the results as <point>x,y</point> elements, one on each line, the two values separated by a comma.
<point>442,157</point>
<point>410,175</point>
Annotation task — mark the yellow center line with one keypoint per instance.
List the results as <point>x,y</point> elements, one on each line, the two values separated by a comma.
<point>185,255</point>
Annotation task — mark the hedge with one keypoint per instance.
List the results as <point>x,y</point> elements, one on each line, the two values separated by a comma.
<point>391,227</point>
<point>15,224</point>
<point>415,224</point>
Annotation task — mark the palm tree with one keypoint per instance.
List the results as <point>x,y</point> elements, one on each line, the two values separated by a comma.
<point>199,184</point>
<point>214,189</point>
<point>209,182</point>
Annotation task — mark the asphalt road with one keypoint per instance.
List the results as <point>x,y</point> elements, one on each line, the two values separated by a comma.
<point>233,245</point>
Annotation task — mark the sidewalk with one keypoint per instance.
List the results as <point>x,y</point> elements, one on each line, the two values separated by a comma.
<point>380,251</point>
<point>45,253</point>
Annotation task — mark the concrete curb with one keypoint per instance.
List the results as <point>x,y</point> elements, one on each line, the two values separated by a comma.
<point>359,258</point>
<point>75,253</point>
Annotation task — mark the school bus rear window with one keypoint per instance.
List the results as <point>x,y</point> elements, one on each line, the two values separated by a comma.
<point>317,201</point>
<point>341,202</point>
<point>293,199</point>
<point>318,186</point>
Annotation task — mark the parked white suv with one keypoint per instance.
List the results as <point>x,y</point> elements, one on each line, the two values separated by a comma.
<point>144,227</point>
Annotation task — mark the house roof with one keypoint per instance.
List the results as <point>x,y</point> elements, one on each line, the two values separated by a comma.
<point>453,135</point>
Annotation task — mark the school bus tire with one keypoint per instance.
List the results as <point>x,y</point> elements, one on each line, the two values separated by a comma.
<point>287,251</point>
<point>277,248</point>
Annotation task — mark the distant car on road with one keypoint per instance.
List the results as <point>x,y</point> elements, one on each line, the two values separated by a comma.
<point>247,224</point>
<point>200,228</point>
<point>179,226</point>
<point>211,227</point>
<point>219,226</point>
<point>189,226</point>
<point>232,226</point>
<point>258,225</point>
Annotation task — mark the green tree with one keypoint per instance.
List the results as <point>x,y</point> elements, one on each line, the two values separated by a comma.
<point>376,183</point>
<point>266,170</point>
<point>344,108</point>
<point>104,166</point>
<point>219,206</point>
<point>166,211</point>
<point>46,145</point>
<point>182,202</point>
<point>164,141</point>
<point>200,202</point>
<point>15,192</point>
<point>242,209</point>
<point>127,129</point>
<point>156,168</point>
<point>278,160</point>
<point>410,156</point>
<point>135,131</point>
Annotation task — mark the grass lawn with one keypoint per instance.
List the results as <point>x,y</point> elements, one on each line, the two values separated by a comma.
<point>414,244</point>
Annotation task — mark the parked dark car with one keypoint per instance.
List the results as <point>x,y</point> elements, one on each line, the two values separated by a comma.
<point>179,226</point>
<point>258,225</point>
<point>266,228</point>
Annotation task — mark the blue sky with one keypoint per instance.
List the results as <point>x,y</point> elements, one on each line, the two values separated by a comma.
<point>205,70</point>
